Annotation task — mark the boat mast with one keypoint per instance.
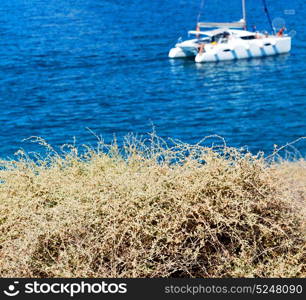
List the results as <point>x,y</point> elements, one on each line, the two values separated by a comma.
<point>244,12</point>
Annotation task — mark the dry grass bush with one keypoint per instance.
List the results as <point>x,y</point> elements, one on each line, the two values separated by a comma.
<point>153,209</point>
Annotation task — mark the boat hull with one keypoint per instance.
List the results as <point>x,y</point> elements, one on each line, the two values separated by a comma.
<point>185,49</point>
<point>256,48</point>
<point>178,52</point>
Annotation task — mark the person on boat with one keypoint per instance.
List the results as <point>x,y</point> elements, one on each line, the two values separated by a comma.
<point>281,32</point>
<point>226,34</point>
<point>257,35</point>
<point>213,40</point>
<point>201,48</point>
<point>225,37</point>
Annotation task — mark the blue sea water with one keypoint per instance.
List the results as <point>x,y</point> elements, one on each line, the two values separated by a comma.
<point>68,65</point>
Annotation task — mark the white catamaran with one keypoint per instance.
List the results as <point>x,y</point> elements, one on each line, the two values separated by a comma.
<point>231,41</point>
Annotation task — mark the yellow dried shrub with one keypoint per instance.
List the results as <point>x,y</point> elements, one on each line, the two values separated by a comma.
<point>153,209</point>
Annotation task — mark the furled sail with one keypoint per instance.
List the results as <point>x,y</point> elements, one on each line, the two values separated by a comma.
<point>240,24</point>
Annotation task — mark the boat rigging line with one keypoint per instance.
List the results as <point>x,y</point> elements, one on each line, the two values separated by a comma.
<point>268,15</point>
<point>201,9</point>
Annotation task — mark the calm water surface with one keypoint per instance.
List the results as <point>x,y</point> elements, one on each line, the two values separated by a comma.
<point>66,65</point>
